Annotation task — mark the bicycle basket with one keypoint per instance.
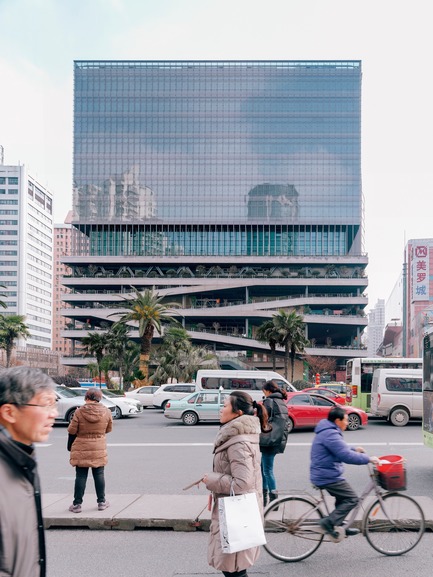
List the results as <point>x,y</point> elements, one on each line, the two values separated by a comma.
<point>392,474</point>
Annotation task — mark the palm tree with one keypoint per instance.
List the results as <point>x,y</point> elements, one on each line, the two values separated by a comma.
<point>291,330</point>
<point>149,312</point>
<point>2,295</point>
<point>131,361</point>
<point>96,345</point>
<point>268,333</point>
<point>176,339</point>
<point>118,346</point>
<point>12,327</point>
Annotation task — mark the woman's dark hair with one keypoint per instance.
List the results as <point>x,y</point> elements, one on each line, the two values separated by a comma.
<point>241,401</point>
<point>272,387</point>
<point>93,394</point>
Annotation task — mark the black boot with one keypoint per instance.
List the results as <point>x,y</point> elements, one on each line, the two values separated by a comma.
<point>273,495</point>
<point>265,497</point>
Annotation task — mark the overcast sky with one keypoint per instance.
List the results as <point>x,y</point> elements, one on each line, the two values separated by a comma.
<point>39,39</point>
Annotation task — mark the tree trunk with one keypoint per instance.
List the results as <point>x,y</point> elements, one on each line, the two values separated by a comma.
<point>144,367</point>
<point>274,361</point>
<point>286,362</point>
<point>8,356</point>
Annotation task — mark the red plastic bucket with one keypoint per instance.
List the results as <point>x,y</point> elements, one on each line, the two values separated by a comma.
<point>395,464</point>
<point>392,475</point>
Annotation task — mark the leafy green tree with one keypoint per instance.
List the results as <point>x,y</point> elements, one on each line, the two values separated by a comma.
<point>291,330</point>
<point>131,362</point>
<point>96,345</point>
<point>66,380</point>
<point>12,327</point>
<point>268,333</point>
<point>178,359</point>
<point>148,310</point>
<point>118,345</point>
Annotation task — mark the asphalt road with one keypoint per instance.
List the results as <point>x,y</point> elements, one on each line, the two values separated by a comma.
<point>167,554</point>
<point>149,454</point>
<point>154,455</point>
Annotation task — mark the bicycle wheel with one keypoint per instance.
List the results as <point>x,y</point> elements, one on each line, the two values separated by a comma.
<point>396,527</point>
<point>291,528</point>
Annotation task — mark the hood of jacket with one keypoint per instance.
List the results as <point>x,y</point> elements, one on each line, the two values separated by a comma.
<point>92,412</point>
<point>243,425</point>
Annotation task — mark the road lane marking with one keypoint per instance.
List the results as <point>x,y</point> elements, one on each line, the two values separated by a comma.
<point>384,444</point>
<point>160,444</point>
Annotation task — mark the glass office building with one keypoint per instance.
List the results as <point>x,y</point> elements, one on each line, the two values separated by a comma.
<point>234,188</point>
<point>218,158</point>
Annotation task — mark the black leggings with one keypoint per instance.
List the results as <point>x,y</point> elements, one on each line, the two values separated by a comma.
<point>242,573</point>
<point>81,480</point>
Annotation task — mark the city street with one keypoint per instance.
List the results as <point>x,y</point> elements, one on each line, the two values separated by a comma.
<point>149,454</point>
<point>168,554</point>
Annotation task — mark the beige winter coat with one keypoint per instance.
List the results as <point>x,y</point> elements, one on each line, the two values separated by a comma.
<point>90,423</point>
<point>237,465</point>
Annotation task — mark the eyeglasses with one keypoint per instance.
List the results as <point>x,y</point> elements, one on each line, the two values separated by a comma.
<point>47,407</point>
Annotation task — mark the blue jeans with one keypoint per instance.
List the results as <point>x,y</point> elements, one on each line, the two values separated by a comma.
<point>269,483</point>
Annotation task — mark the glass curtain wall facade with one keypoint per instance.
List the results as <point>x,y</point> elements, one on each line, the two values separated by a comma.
<point>217,158</point>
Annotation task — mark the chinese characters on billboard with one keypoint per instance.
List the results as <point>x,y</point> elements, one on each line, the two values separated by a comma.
<point>420,272</point>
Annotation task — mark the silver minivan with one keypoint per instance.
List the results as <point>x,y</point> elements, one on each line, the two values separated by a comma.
<point>396,394</point>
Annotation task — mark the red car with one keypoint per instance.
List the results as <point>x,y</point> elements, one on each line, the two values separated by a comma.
<point>326,393</point>
<point>307,409</point>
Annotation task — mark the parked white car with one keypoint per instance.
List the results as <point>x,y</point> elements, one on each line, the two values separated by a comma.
<point>68,402</point>
<point>171,391</point>
<point>124,407</point>
<point>144,395</point>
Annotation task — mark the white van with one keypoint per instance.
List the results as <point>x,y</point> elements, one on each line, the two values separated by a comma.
<point>249,381</point>
<point>397,395</point>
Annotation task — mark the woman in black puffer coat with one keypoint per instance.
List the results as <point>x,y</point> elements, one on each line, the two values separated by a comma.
<point>274,441</point>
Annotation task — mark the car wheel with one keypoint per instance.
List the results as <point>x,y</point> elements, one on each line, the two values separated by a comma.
<point>354,422</point>
<point>163,404</point>
<point>190,418</point>
<point>70,415</point>
<point>117,414</point>
<point>290,425</point>
<point>399,417</point>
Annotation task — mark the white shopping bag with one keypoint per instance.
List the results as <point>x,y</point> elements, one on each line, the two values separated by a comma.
<point>241,525</point>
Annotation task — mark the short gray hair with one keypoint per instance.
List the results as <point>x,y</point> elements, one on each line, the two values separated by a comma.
<point>18,385</point>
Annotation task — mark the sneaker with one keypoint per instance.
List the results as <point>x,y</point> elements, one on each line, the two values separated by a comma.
<point>75,508</point>
<point>103,505</point>
<point>328,527</point>
<point>352,531</point>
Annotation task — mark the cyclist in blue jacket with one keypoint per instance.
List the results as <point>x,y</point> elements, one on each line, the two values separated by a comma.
<point>328,453</point>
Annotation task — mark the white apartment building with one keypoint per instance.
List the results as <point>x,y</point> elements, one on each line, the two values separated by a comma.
<point>376,326</point>
<point>26,252</point>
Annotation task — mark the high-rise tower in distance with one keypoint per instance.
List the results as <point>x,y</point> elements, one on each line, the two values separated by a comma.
<point>233,187</point>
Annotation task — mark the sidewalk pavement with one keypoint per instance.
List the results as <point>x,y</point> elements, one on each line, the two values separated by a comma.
<point>134,511</point>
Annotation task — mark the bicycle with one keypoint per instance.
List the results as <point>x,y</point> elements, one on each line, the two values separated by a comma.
<point>393,523</point>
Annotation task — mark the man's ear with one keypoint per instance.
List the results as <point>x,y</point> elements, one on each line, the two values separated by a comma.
<point>8,414</point>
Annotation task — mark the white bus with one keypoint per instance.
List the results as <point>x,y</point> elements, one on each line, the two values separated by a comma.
<point>249,381</point>
<point>359,374</point>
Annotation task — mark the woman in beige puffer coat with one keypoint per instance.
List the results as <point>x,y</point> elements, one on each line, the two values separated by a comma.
<point>89,425</point>
<point>236,467</point>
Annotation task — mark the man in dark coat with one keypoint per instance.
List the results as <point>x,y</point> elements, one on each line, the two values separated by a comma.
<point>27,413</point>
<point>328,453</point>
